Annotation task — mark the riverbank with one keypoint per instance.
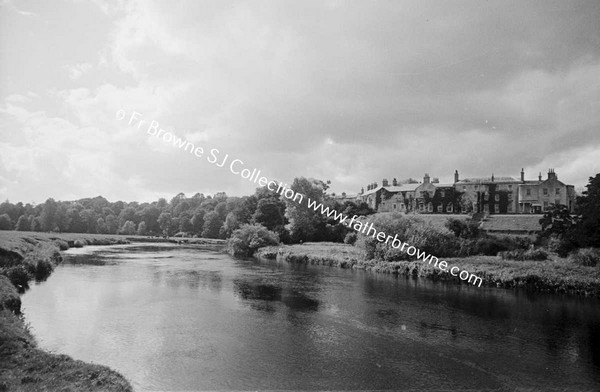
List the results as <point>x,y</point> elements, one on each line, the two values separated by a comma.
<point>23,366</point>
<point>554,276</point>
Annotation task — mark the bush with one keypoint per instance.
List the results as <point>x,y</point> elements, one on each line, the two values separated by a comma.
<point>463,229</point>
<point>415,232</point>
<point>79,243</point>
<point>62,245</point>
<point>248,238</point>
<point>491,246</point>
<point>19,277</point>
<point>589,257</point>
<point>350,238</point>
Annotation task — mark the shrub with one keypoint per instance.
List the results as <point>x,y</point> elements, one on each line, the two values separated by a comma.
<point>415,232</point>
<point>350,238</point>
<point>79,243</point>
<point>248,238</point>
<point>492,246</point>
<point>19,276</point>
<point>463,229</point>
<point>62,245</point>
<point>589,257</point>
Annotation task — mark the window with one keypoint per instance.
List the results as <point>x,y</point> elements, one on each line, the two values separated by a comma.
<point>464,188</point>
<point>442,193</point>
<point>486,208</point>
<point>476,187</point>
<point>440,208</point>
<point>421,207</point>
<point>558,191</point>
<point>545,205</point>
<point>510,187</point>
<point>496,208</point>
<point>509,208</point>
<point>394,206</point>
<point>486,197</point>
<point>545,191</point>
<point>497,197</point>
<point>557,202</point>
<point>449,207</point>
<point>510,197</point>
<point>528,192</point>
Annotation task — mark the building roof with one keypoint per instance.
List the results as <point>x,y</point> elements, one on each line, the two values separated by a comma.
<point>479,180</point>
<point>392,189</point>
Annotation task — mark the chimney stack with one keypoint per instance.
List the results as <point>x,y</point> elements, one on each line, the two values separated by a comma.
<point>492,177</point>
<point>455,176</point>
<point>551,174</point>
<point>426,178</point>
<point>384,182</point>
<point>540,176</point>
<point>522,175</point>
<point>394,182</point>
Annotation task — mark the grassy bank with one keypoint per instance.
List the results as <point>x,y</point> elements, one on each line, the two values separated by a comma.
<point>23,366</point>
<point>556,275</point>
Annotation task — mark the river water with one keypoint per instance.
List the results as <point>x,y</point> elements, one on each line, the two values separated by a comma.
<point>180,318</point>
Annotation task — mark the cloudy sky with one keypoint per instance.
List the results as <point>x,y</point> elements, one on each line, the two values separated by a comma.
<point>347,91</point>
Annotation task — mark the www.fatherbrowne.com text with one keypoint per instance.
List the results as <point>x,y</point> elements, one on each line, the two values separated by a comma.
<point>237,167</point>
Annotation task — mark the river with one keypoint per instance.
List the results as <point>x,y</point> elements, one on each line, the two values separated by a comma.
<point>181,318</point>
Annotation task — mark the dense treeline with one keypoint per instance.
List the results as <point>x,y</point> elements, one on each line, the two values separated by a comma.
<point>215,216</point>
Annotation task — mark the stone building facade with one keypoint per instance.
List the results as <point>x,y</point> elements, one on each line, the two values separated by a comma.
<point>492,195</point>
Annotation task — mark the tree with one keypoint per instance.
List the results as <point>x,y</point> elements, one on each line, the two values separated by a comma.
<point>198,221</point>
<point>231,223</point>
<point>557,220</point>
<point>36,224</point>
<point>306,224</point>
<point>142,229</point>
<point>101,226</point>
<point>112,225</point>
<point>269,213</point>
<point>23,224</point>
<point>212,225</point>
<point>5,222</point>
<point>588,209</point>
<point>127,214</point>
<point>61,218</point>
<point>165,222</point>
<point>48,215</point>
<point>128,228</point>
<point>76,224</point>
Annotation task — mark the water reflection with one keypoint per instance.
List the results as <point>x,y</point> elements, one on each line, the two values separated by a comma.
<point>178,318</point>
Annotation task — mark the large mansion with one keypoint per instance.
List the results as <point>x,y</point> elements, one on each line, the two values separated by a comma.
<point>493,195</point>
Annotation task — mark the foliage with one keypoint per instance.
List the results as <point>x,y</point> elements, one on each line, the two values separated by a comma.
<point>589,257</point>
<point>23,224</point>
<point>350,238</point>
<point>305,224</point>
<point>524,254</point>
<point>142,228</point>
<point>212,225</point>
<point>165,221</point>
<point>128,228</point>
<point>462,228</point>
<point>587,231</point>
<point>248,238</point>
<point>5,222</point>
